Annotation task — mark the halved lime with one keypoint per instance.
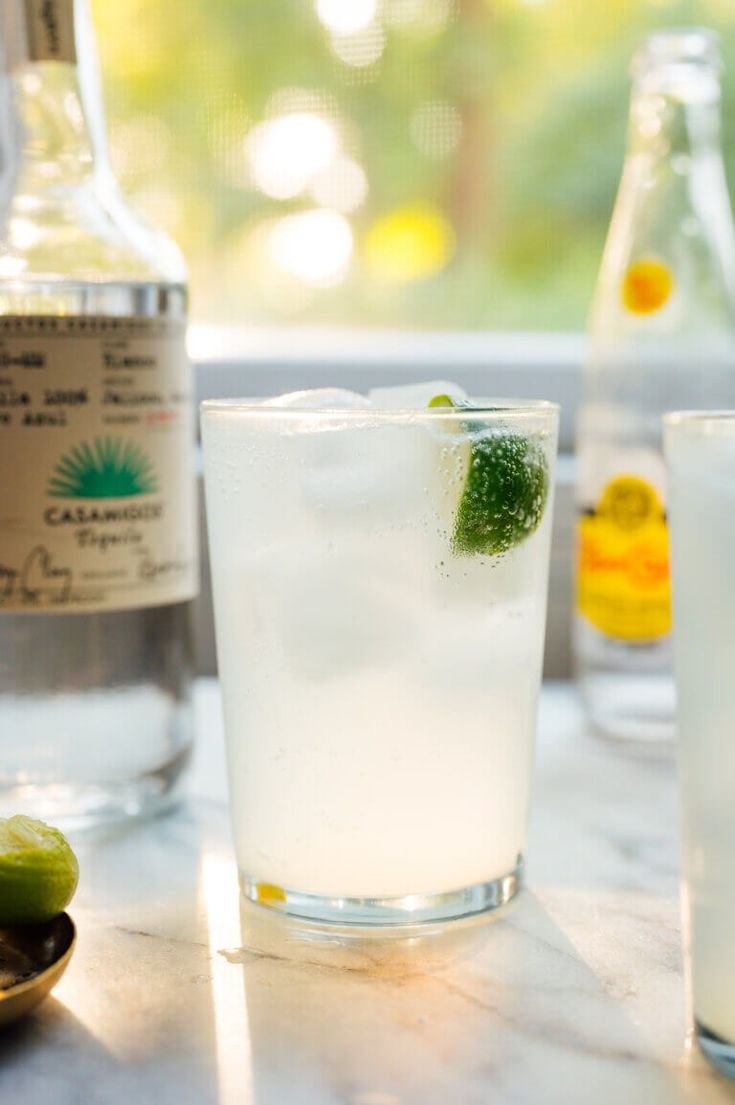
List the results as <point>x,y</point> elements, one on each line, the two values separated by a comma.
<point>38,872</point>
<point>505,489</point>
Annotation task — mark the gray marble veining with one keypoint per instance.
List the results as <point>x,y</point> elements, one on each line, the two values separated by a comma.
<point>180,994</point>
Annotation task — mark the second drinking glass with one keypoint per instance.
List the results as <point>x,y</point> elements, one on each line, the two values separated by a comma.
<point>700,454</point>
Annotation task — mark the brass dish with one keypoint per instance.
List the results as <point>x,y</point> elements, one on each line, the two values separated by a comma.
<point>32,960</point>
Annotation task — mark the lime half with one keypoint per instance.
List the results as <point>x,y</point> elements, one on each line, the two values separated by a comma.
<point>505,488</point>
<point>38,872</point>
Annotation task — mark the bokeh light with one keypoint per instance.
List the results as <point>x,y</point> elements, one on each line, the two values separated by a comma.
<point>268,282</point>
<point>361,49</point>
<point>342,186</point>
<point>25,233</point>
<point>419,15</point>
<point>290,99</point>
<point>409,243</point>
<point>316,246</point>
<point>286,152</point>
<point>500,123</point>
<point>345,17</point>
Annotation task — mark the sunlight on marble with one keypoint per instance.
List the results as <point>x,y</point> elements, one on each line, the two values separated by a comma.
<point>232,1030</point>
<point>89,1004</point>
<point>182,993</point>
<point>611,941</point>
<point>83,1004</point>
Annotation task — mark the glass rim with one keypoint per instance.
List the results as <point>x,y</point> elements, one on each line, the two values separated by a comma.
<point>486,410</point>
<point>698,420</point>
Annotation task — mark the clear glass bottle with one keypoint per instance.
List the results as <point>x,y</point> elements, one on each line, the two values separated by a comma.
<point>97,496</point>
<point>662,337</point>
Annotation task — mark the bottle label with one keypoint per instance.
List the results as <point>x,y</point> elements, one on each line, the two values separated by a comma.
<point>623,583</point>
<point>50,30</point>
<point>97,492</point>
<point>647,286</point>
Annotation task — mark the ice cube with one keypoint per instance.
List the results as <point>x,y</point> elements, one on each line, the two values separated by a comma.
<point>334,606</point>
<point>362,468</point>
<point>372,475</point>
<point>414,396</point>
<point>327,399</point>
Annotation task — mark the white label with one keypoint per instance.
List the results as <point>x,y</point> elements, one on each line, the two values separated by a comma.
<point>97,492</point>
<point>51,30</point>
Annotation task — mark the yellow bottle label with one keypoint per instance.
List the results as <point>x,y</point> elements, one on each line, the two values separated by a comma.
<point>623,583</point>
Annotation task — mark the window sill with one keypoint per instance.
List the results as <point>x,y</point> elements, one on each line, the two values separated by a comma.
<point>233,361</point>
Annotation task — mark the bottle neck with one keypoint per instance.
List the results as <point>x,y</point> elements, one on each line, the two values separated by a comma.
<point>52,131</point>
<point>675,111</point>
<point>674,177</point>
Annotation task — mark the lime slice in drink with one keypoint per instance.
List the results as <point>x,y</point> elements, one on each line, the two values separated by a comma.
<point>505,489</point>
<point>38,872</point>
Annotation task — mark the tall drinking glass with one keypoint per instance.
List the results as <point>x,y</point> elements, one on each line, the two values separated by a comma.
<point>380,587</point>
<point>700,454</point>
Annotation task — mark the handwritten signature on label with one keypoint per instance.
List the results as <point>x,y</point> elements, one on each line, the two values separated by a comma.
<point>38,577</point>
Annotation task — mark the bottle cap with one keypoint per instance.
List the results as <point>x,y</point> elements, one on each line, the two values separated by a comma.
<point>36,30</point>
<point>677,46</point>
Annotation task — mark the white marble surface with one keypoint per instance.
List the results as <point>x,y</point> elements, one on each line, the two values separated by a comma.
<point>573,995</point>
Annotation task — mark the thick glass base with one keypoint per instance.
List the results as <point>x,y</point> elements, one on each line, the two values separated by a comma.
<point>627,688</point>
<point>637,712</point>
<point>81,807</point>
<point>720,1053</point>
<point>412,909</point>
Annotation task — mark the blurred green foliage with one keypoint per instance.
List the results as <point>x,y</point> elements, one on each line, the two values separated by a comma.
<point>490,133</point>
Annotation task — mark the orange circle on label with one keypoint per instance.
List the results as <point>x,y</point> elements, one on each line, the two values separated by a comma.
<point>646,286</point>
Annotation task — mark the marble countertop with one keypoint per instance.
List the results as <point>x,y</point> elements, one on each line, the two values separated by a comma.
<point>178,995</point>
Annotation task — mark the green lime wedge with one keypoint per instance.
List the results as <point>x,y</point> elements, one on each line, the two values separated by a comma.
<point>38,872</point>
<point>444,401</point>
<point>505,490</point>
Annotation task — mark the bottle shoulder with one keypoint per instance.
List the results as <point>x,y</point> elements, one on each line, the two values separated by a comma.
<point>668,268</point>
<point>85,231</point>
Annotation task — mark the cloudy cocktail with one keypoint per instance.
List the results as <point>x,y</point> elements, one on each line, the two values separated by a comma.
<point>380,579</point>
<point>700,453</point>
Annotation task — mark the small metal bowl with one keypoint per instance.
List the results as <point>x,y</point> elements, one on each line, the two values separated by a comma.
<point>32,960</point>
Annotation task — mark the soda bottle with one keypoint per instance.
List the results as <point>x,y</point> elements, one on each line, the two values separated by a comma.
<point>662,337</point>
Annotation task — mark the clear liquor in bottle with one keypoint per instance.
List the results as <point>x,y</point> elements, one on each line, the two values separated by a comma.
<point>662,338</point>
<point>97,497</point>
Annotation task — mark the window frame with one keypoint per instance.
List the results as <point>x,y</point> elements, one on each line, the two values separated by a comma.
<point>258,362</point>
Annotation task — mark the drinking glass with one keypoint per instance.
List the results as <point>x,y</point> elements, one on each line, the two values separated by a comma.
<point>700,455</point>
<point>380,584</point>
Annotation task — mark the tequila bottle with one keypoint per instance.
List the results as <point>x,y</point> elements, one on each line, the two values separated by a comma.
<point>98,559</point>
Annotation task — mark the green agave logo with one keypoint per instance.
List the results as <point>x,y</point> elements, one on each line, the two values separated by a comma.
<point>107,468</point>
